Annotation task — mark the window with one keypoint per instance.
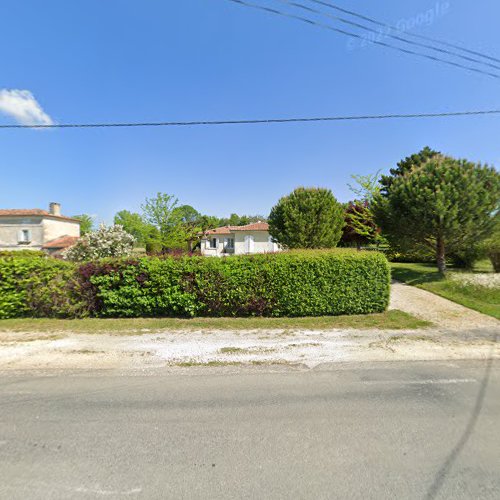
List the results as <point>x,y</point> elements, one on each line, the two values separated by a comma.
<point>213,242</point>
<point>230,243</point>
<point>24,236</point>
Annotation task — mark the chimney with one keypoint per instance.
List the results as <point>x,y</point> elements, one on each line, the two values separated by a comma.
<point>55,208</point>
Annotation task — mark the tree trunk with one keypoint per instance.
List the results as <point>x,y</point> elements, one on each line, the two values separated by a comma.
<point>440,255</point>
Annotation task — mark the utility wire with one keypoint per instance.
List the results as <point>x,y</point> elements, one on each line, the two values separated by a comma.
<point>355,35</point>
<point>395,37</point>
<point>257,121</point>
<point>394,28</point>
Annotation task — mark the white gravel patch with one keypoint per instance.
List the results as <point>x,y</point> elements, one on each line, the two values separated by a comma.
<point>486,280</point>
<point>457,333</point>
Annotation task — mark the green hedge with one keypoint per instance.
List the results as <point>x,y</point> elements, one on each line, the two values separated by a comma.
<point>300,283</point>
<point>34,285</point>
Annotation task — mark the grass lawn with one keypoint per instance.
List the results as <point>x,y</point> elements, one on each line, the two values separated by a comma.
<point>390,320</point>
<point>426,276</point>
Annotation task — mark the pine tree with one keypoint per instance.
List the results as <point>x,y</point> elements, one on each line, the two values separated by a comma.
<point>444,203</point>
<point>405,166</point>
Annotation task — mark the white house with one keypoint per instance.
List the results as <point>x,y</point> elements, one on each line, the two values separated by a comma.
<point>36,229</point>
<point>238,240</point>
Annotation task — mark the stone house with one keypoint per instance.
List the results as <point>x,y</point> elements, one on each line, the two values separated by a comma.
<point>36,229</point>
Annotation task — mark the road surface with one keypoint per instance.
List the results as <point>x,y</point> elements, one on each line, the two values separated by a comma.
<point>414,430</point>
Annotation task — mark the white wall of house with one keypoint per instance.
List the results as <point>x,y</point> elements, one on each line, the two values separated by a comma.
<point>222,245</point>
<point>245,242</point>
<point>19,232</point>
<point>252,242</point>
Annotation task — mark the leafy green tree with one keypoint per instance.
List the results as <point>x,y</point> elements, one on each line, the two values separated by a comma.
<point>207,222</point>
<point>405,166</point>
<point>360,225</point>
<point>307,218</point>
<point>240,220</point>
<point>161,212</point>
<point>86,223</point>
<point>190,225</point>
<point>187,214</point>
<point>134,224</point>
<point>444,203</point>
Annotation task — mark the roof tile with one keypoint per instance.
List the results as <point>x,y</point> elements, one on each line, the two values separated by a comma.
<point>255,226</point>
<point>61,242</point>
<point>33,212</point>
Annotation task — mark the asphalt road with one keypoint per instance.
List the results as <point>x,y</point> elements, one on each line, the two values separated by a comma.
<point>394,430</point>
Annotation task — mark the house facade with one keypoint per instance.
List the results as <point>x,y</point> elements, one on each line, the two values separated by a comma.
<point>36,229</point>
<point>238,240</point>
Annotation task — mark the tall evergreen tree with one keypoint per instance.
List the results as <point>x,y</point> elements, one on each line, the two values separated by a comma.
<point>444,203</point>
<point>405,166</point>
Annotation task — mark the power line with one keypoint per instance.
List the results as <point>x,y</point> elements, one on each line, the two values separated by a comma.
<point>372,30</point>
<point>394,28</point>
<point>257,121</point>
<point>355,35</point>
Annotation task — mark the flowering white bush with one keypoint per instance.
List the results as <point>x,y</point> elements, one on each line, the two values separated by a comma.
<point>111,241</point>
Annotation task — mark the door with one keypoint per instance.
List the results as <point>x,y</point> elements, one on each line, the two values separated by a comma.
<point>248,243</point>
<point>270,244</point>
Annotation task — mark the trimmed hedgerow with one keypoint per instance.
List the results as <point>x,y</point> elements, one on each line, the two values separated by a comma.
<point>298,283</point>
<point>34,285</point>
<point>301,283</point>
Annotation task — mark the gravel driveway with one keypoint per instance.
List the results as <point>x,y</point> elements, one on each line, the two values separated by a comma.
<point>442,312</point>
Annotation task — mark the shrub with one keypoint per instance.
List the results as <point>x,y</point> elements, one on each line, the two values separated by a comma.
<point>492,248</point>
<point>111,241</point>
<point>35,286</point>
<point>466,258</point>
<point>307,218</point>
<point>154,247</point>
<point>34,254</point>
<point>417,254</point>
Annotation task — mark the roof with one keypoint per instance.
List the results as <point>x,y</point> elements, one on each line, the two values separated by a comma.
<point>61,242</point>
<point>256,226</point>
<point>23,212</point>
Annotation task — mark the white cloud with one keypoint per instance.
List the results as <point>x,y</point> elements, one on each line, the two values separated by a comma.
<point>23,107</point>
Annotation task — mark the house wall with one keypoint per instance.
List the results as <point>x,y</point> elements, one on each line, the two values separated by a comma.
<point>55,228</point>
<point>10,228</point>
<point>42,230</point>
<point>214,252</point>
<point>261,242</point>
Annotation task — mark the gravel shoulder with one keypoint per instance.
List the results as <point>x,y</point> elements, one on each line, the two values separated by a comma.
<point>457,333</point>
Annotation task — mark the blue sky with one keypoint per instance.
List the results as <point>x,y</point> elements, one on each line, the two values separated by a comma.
<point>155,60</point>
